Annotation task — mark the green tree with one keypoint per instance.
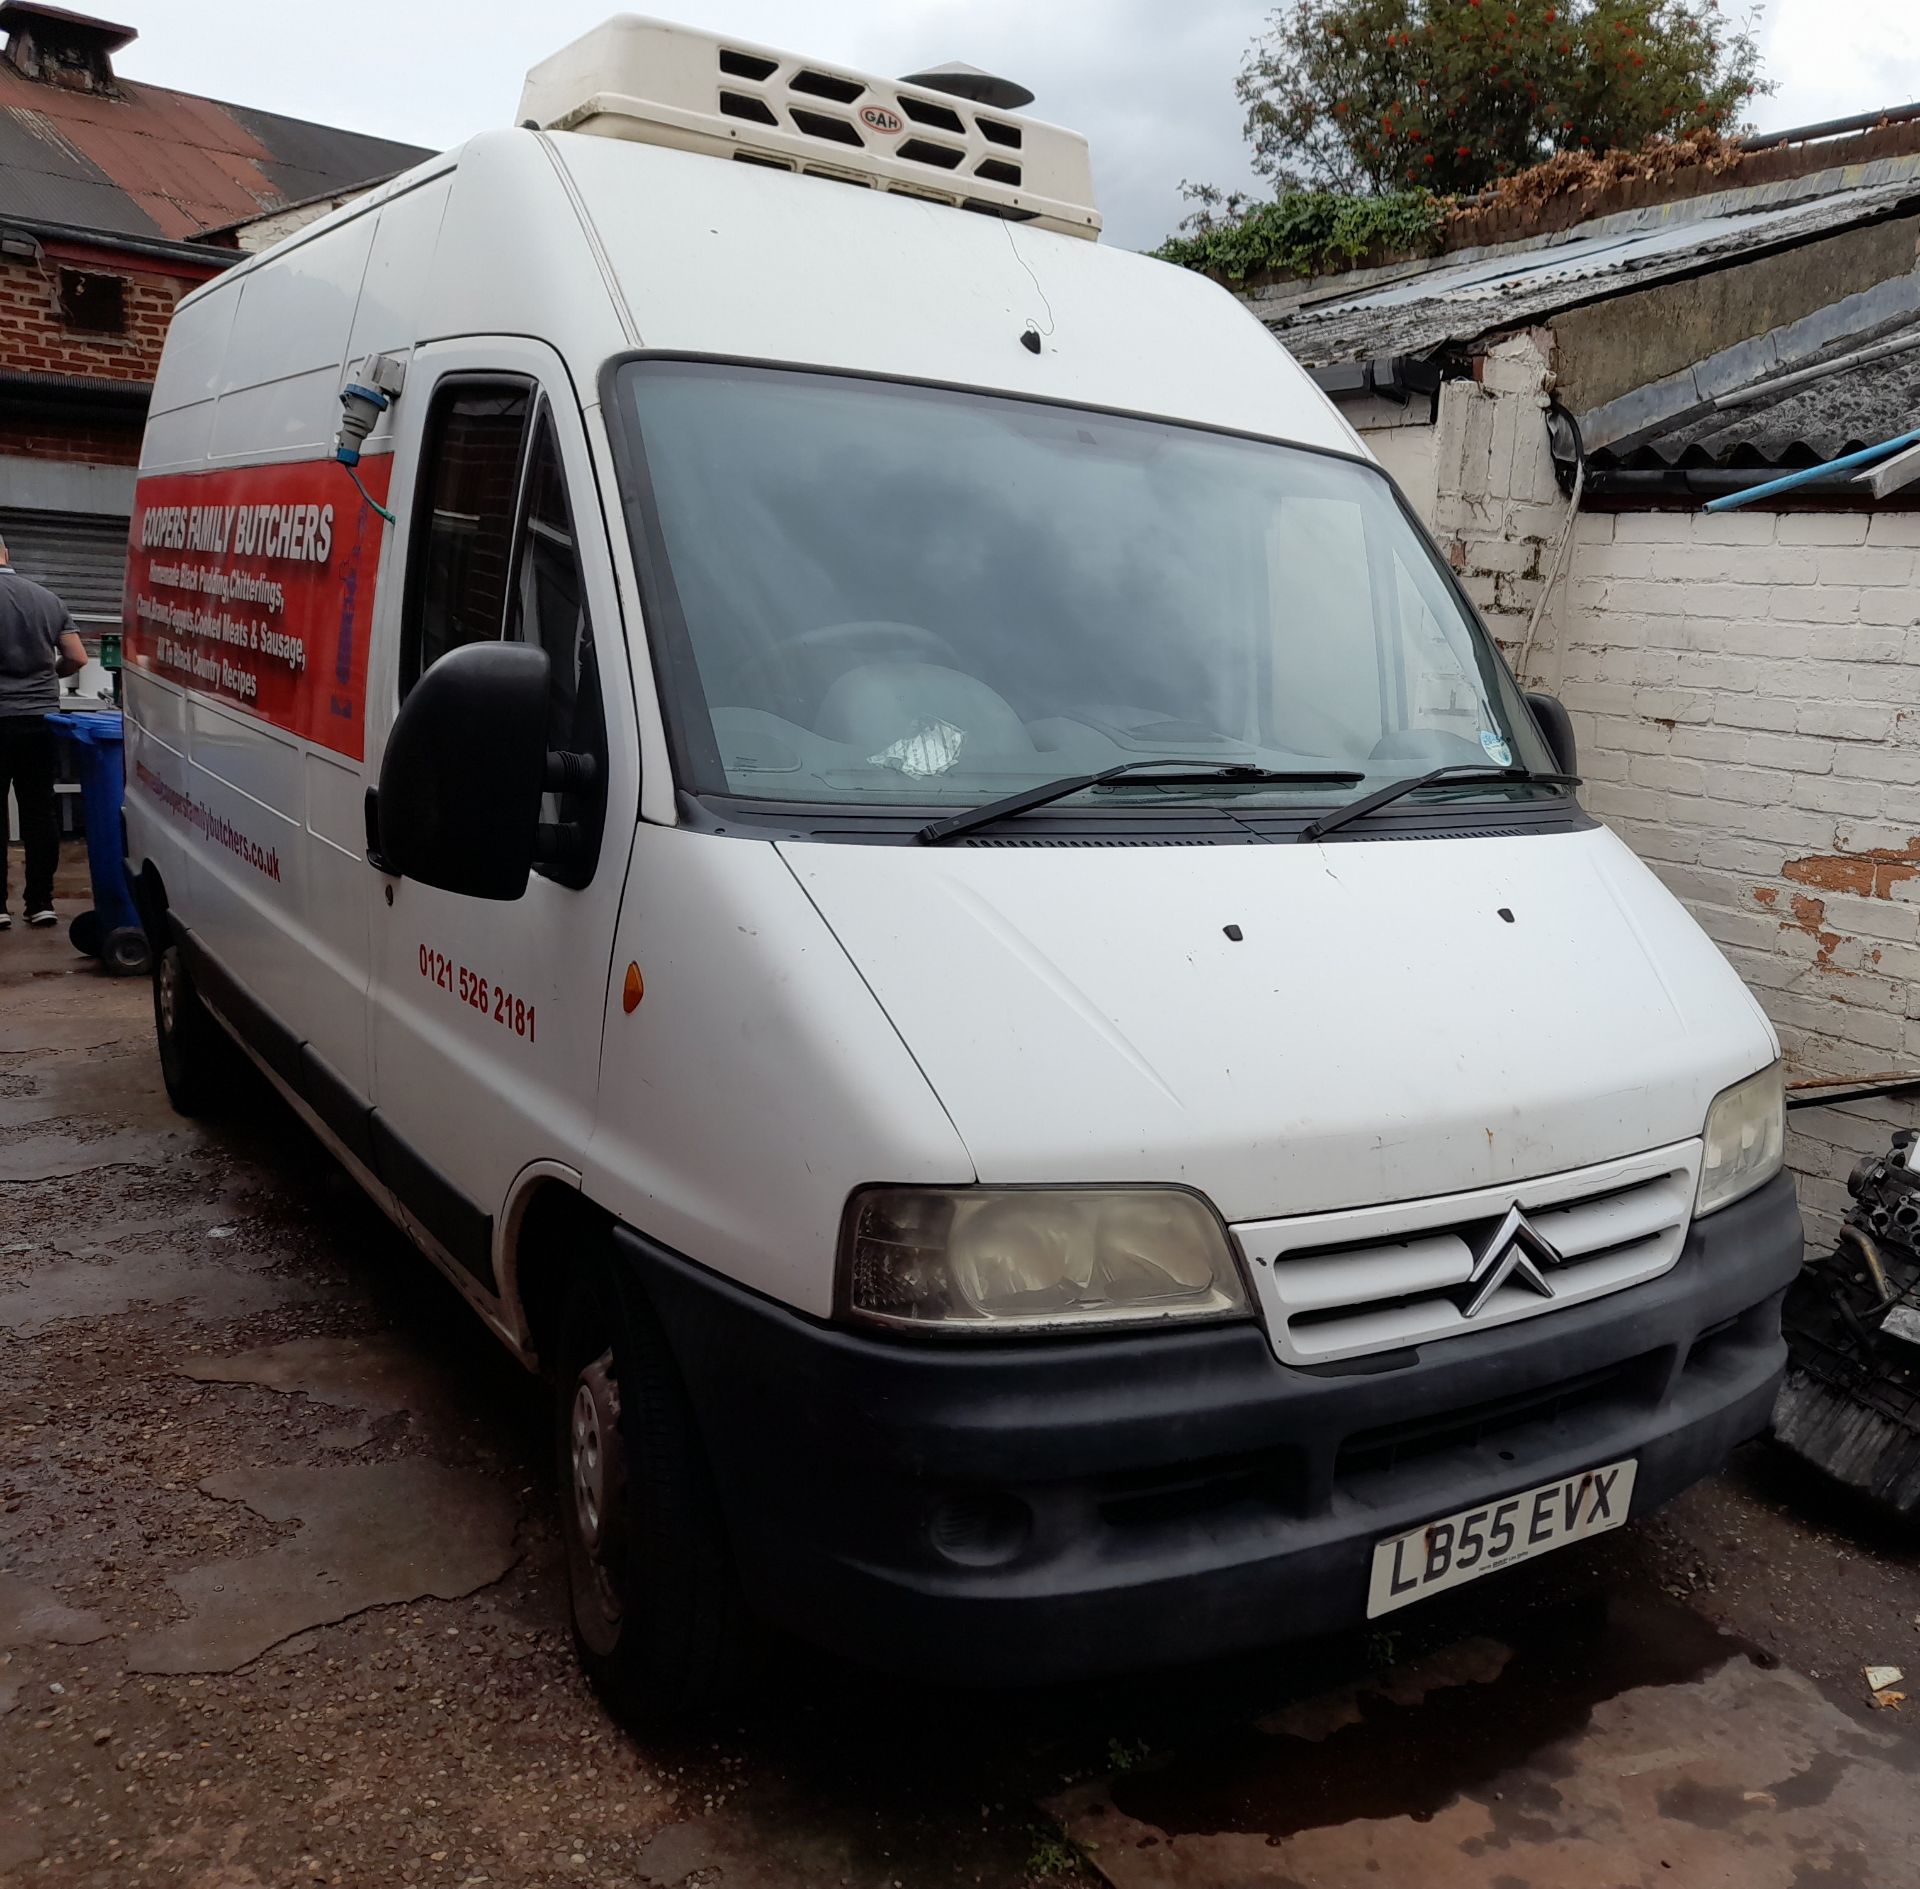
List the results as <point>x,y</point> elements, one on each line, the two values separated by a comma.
<point>1448,95</point>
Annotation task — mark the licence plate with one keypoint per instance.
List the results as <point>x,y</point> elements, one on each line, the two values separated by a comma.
<point>1461,1547</point>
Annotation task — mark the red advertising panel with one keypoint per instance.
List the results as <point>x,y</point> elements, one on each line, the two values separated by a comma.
<point>256,586</point>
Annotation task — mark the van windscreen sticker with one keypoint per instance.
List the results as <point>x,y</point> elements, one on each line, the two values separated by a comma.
<point>256,586</point>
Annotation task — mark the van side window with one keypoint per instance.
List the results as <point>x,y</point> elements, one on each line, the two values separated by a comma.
<point>461,556</point>
<point>548,606</point>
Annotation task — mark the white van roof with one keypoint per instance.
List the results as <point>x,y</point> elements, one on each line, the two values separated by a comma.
<point>731,260</point>
<point>604,245</point>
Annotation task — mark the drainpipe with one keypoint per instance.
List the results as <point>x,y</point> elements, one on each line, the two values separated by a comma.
<point>1564,442</point>
<point>1870,456</point>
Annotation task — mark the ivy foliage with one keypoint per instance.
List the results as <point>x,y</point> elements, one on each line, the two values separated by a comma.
<point>1301,232</point>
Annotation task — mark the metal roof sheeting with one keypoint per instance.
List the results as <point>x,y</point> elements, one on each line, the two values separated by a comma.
<point>1416,309</point>
<point>146,161</point>
<point>1804,425</point>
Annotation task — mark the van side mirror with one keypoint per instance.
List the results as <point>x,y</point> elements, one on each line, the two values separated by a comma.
<point>460,784</point>
<point>1557,725</point>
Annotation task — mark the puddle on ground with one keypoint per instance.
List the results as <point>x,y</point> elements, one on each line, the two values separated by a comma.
<point>36,1616</point>
<point>92,1289</point>
<point>366,1535</point>
<point>1621,1741</point>
<point>63,1157</point>
<point>781,1850</point>
<point>63,1091</point>
<point>1408,1747</point>
<point>19,1844</point>
<point>377,1375</point>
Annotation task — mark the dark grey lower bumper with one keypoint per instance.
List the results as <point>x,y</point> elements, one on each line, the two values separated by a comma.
<point>1055,1508</point>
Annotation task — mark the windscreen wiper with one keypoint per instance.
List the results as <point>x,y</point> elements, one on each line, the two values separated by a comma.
<point>1048,791</point>
<point>1464,773</point>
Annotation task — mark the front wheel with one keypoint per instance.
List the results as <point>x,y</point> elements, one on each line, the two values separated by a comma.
<point>656,1613</point>
<point>197,1062</point>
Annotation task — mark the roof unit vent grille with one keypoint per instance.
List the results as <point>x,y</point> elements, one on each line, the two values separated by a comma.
<point>923,111</point>
<point>823,125</point>
<point>653,83</point>
<point>826,85</point>
<point>754,110</point>
<point>746,65</point>
<point>925,151</point>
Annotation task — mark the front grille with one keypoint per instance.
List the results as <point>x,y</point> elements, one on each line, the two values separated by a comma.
<point>1338,1286</point>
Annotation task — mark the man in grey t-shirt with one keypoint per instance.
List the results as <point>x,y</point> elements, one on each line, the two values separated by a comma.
<point>38,645</point>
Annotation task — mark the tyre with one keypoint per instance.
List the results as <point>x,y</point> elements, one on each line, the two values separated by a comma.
<point>656,1612</point>
<point>197,1062</point>
<point>84,933</point>
<point>125,951</point>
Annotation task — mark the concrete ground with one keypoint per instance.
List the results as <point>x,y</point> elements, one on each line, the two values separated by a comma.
<point>281,1603</point>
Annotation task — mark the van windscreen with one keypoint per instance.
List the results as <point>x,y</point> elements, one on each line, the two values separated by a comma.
<point>874,594</point>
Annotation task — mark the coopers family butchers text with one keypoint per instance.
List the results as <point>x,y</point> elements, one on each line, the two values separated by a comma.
<point>256,586</point>
<point>304,532</point>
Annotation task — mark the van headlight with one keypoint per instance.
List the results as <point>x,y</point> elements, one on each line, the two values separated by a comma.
<point>983,1260</point>
<point>1745,1144</point>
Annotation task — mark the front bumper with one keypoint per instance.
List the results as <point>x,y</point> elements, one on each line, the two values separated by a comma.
<point>1056,1508</point>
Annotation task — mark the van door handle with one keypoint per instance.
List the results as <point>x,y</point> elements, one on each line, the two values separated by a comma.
<point>371,814</point>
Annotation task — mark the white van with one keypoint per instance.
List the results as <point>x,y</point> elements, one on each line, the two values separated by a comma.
<point>874,826</point>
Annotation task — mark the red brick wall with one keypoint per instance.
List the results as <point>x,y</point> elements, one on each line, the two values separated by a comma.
<point>94,445</point>
<point>35,338</point>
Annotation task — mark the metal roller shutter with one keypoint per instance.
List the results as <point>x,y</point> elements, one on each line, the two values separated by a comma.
<point>81,557</point>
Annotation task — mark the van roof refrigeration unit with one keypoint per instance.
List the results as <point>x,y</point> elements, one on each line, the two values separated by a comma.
<point>945,135</point>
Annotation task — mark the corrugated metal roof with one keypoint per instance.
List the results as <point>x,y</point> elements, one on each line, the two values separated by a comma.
<point>1456,299</point>
<point>146,161</point>
<point>1806,425</point>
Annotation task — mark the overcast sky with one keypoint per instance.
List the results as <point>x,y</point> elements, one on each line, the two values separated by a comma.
<point>1149,81</point>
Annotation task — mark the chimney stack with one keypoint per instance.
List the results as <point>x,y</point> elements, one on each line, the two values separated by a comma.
<point>55,47</point>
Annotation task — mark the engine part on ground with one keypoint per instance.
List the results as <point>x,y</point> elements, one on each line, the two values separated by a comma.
<point>1851,1401</point>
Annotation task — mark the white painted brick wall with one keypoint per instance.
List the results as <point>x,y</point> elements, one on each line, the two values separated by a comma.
<point>1759,676</point>
<point>1746,691</point>
<point>1496,508</point>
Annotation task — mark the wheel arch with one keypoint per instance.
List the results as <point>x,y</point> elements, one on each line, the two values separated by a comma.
<point>548,1226</point>
<point>151,902</point>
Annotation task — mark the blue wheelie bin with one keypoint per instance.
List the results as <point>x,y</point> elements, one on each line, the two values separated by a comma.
<point>112,931</point>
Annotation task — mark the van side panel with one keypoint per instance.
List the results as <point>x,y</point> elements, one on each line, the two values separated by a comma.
<point>255,826</point>
<point>179,423</point>
<point>511,259</point>
<point>386,317</point>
